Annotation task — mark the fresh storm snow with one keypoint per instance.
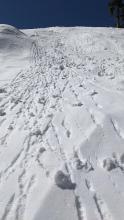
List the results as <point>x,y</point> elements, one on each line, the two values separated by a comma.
<point>61,124</point>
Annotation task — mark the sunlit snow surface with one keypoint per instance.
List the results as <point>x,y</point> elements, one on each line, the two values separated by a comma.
<point>61,124</point>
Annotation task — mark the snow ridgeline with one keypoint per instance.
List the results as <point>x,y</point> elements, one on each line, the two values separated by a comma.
<point>61,124</point>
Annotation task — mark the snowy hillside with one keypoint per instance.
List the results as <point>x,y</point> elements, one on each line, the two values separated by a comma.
<point>61,124</point>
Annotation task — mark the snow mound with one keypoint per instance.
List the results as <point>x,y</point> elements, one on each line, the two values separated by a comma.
<point>63,181</point>
<point>8,29</point>
<point>12,39</point>
<point>15,47</point>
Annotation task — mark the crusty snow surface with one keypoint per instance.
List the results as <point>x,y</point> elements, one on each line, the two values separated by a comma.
<point>61,124</point>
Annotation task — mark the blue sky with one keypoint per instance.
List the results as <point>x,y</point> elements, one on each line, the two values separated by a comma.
<point>45,13</point>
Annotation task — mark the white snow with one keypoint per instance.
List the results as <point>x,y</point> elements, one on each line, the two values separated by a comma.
<point>61,123</point>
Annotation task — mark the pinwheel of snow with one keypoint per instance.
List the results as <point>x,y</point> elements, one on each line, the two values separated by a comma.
<point>63,181</point>
<point>109,164</point>
<point>122,158</point>
<point>2,112</point>
<point>2,90</point>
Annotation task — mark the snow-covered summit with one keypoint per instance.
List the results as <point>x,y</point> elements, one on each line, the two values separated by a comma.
<point>62,124</point>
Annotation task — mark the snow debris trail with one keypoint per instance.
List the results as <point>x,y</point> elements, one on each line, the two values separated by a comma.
<point>61,124</point>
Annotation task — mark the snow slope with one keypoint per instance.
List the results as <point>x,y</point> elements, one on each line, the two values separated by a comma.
<point>15,49</point>
<point>61,124</point>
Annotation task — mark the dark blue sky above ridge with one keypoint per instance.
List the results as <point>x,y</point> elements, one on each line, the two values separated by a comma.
<point>46,13</point>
